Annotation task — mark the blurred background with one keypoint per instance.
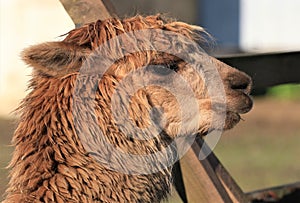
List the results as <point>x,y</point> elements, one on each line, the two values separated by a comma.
<point>260,152</point>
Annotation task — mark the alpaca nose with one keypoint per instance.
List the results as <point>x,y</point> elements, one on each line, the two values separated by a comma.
<point>240,81</point>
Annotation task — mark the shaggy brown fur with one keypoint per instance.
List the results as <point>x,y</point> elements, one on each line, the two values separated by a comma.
<point>50,163</point>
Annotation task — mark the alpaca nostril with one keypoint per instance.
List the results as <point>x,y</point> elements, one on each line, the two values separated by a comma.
<point>242,86</point>
<point>240,81</point>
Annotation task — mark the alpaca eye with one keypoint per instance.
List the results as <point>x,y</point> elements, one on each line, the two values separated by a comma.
<point>173,66</point>
<point>162,70</point>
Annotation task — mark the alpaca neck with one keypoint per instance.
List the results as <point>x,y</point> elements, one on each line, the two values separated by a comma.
<point>44,138</point>
<point>49,162</point>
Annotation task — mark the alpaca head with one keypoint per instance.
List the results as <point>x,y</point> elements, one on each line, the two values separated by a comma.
<point>139,83</point>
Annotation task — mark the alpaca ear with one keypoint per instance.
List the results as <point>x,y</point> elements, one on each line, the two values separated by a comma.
<point>55,58</point>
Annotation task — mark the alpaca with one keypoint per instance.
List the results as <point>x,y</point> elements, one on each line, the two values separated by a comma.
<point>63,153</point>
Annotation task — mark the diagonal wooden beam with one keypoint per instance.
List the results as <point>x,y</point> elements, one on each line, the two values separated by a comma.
<point>215,169</point>
<point>85,11</point>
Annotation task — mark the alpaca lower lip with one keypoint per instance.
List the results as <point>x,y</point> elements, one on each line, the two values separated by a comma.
<point>232,113</point>
<point>248,104</point>
<point>244,105</point>
<point>238,115</point>
<point>232,119</point>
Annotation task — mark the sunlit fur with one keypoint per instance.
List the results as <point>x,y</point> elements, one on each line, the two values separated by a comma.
<point>50,164</point>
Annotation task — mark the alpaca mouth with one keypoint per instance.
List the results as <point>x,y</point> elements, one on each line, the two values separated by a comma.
<point>228,117</point>
<point>247,105</point>
<point>231,119</point>
<point>242,105</point>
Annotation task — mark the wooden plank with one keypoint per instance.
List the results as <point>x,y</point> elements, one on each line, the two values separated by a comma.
<point>85,11</point>
<point>198,184</point>
<point>218,170</point>
<point>268,69</point>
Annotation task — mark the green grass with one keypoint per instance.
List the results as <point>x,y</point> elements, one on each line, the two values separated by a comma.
<point>287,91</point>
